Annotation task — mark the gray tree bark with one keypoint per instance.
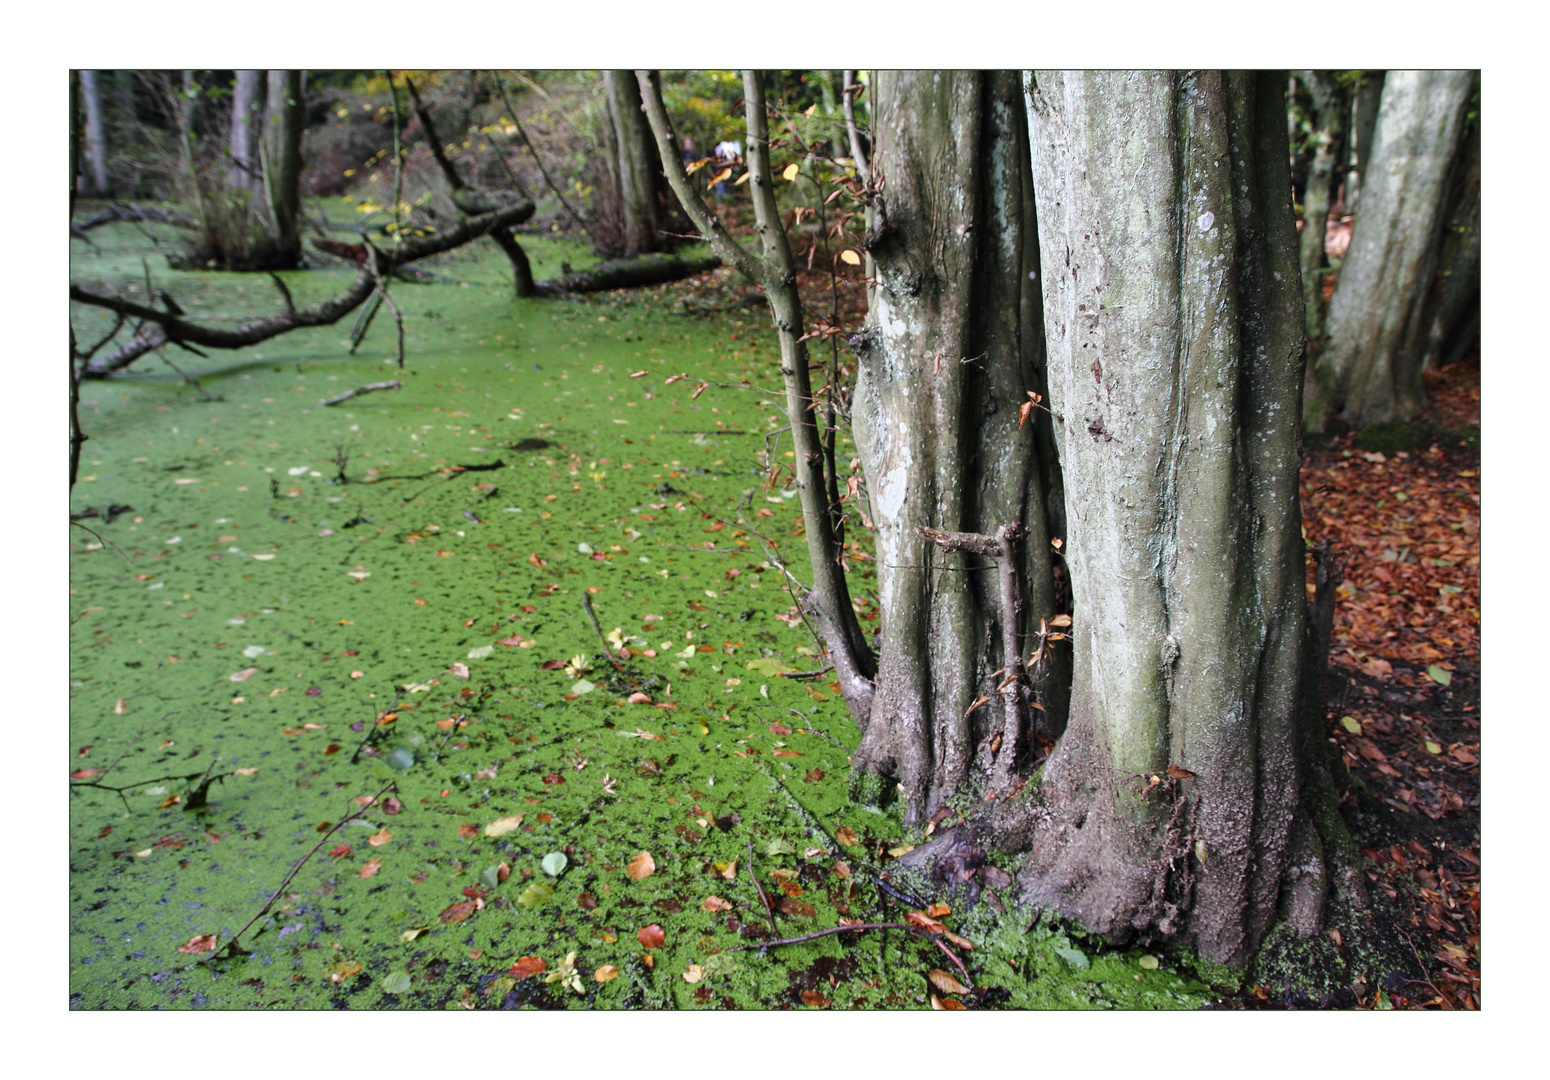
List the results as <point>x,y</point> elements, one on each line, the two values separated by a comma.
<point>96,138</point>
<point>1329,109</point>
<point>954,345</point>
<point>1175,805</point>
<point>282,160</point>
<point>1453,308</point>
<point>634,162</point>
<point>1369,369</point>
<point>1364,112</point>
<point>247,122</point>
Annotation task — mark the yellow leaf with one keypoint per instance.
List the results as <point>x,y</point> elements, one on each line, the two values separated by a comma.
<point>694,973</point>
<point>502,826</point>
<point>850,258</point>
<point>1351,724</point>
<point>791,171</point>
<point>1433,748</point>
<point>410,935</point>
<point>902,849</point>
<point>1148,963</point>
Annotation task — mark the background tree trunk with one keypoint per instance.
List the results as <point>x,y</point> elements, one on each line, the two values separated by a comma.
<point>247,121</point>
<point>96,137</point>
<point>1368,93</point>
<point>636,163</point>
<point>1330,106</point>
<point>953,346</point>
<point>1173,805</point>
<point>1369,370</point>
<point>1453,308</point>
<point>282,161</point>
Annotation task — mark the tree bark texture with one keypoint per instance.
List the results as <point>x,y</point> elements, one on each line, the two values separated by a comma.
<point>954,345</point>
<point>1364,118</point>
<point>1452,317</point>
<point>1369,369</point>
<point>635,163</point>
<point>96,138</point>
<point>630,273</point>
<point>1175,333</point>
<point>282,165</point>
<point>247,124</point>
<point>1329,109</point>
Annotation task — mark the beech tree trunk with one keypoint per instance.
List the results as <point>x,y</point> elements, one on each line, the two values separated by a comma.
<point>1364,114</point>
<point>636,163</point>
<point>1175,805</point>
<point>1369,369</point>
<point>247,122</point>
<point>1453,309</point>
<point>954,345</point>
<point>1329,110</point>
<point>96,139</point>
<point>282,161</point>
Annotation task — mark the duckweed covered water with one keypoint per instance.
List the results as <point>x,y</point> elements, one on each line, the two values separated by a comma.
<point>269,619</point>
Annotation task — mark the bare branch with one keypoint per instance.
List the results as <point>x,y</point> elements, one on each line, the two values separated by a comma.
<point>392,384</point>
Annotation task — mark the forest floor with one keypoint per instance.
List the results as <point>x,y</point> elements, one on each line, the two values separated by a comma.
<point>395,684</point>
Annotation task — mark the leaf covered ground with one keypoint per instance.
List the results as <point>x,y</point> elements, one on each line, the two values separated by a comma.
<point>509,807</point>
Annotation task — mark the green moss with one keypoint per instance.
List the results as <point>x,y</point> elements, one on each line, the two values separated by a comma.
<point>1391,438</point>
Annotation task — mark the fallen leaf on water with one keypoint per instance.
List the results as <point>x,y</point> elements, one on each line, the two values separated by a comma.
<point>244,674</point>
<point>781,729</point>
<point>82,774</point>
<point>714,903</point>
<point>694,973</point>
<point>339,851</point>
<point>945,982</point>
<point>202,944</point>
<point>395,983</point>
<point>606,973</point>
<point>371,868</point>
<point>946,1004</point>
<point>814,999</point>
<point>535,895</point>
<point>845,835</point>
<point>554,863</point>
<point>643,866</point>
<point>727,870</point>
<point>502,826</point>
<point>467,832</point>
<point>409,935</point>
<point>460,669</point>
<point>651,937</point>
<point>456,913</point>
<point>377,839</point>
<point>343,970</point>
<point>528,965</point>
<point>121,706</point>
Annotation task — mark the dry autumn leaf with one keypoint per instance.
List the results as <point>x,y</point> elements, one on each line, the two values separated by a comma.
<point>380,837</point>
<point>651,937</point>
<point>606,973</point>
<point>371,868</point>
<point>845,835</point>
<point>814,999</point>
<point>502,826</point>
<point>714,903</point>
<point>945,982</point>
<point>201,944</point>
<point>694,973</point>
<point>641,867</point>
<point>467,832</point>
<point>528,965</point>
<point>945,1003</point>
<point>456,913</point>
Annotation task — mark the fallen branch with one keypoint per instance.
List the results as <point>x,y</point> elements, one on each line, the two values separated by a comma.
<point>170,327</point>
<point>857,929</point>
<point>586,602</point>
<point>231,943</point>
<point>769,910</point>
<point>650,269</point>
<point>132,212</point>
<point>391,384</point>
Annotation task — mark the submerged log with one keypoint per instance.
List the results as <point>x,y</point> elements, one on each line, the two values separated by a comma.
<point>633,272</point>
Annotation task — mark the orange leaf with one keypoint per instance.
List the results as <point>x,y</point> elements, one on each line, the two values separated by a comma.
<point>606,973</point>
<point>945,1003</point>
<point>371,868</point>
<point>82,774</point>
<point>714,903</point>
<point>814,999</point>
<point>202,944</point>
<point>845,835</point>
<point>936,911</point>
<point>925,922</point>
<point>339,851</point>
<point>642,866</point>
<point>458,912</point>
<point>651,937</point>
<point>527,965</point>
<point>1177,773</point>
<point>380,837</point>
<point>780,729</point>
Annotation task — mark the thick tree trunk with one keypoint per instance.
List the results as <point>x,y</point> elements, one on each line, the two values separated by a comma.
<point>247,122</point>
<point>96,138</point>
<point>1329,109</point>
<point>1174,804</point>
<point>953,348</point>
<point>636,167</point>
<point>1368,93</point>
<point>282,161</point>
<point>1452,318</point>
<point>1369,369</point>
<point>631,273</point>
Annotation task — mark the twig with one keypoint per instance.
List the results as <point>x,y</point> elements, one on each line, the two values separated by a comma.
<point>517,122</point>
<point>805,674</point>
<point>586,602</point>
<point>769,911</point>
<point>391,384</point>
<point>1425,976</point>
<point>104,540</point>
<point>856,929</point>
<point>392,785</point>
